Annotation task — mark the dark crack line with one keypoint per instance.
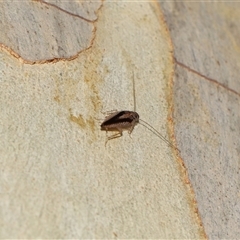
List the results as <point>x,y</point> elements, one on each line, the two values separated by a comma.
<point>207,78</point>
<point>67,12</point>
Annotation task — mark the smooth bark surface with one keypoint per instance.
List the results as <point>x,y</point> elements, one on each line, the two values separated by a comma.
<point>58,179</point>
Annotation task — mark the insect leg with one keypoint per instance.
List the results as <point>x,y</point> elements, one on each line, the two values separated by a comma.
<point>131,129</point>
<point>116,135</point>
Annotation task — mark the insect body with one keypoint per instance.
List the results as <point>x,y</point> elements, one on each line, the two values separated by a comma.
<point>119,122</point>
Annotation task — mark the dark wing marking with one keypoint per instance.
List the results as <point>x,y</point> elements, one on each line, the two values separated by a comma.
<point>122,116</point>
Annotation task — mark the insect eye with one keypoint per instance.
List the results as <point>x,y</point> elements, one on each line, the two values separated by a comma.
<point>136,117</point>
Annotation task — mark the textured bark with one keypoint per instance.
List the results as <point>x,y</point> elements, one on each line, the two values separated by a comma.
<point>207,110</point>
<point>62,64</point>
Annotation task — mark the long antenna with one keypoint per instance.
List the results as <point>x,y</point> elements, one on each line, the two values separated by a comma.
<point>154,131</point>
<point>147,125</point>
<point>134,94</point>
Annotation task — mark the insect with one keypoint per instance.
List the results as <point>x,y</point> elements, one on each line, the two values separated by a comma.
<point>119,121</point>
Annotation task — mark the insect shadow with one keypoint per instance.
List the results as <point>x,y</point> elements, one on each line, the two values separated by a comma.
<point>119,121</point>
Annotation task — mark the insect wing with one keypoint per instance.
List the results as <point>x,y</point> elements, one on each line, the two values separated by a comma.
<point>122,116</point>
<point>109,117</point>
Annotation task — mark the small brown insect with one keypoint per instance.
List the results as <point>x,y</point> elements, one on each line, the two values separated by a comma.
<point>119,121</point>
